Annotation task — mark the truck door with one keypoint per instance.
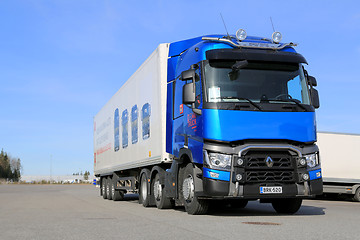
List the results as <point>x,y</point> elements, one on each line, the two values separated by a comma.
<point>193,123</point>
<point>178,118</point>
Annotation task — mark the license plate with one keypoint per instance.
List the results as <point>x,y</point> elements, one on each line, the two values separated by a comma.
<point>265,190</point>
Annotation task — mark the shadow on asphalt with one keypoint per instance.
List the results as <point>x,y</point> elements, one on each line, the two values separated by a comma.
<point>254,208</point>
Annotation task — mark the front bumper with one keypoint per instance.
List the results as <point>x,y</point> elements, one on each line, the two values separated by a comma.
<point>218,183</point>
<point>218,188</point>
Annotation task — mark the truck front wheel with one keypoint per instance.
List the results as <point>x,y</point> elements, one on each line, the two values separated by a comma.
<point>287,205</point>
<point>192,204</point>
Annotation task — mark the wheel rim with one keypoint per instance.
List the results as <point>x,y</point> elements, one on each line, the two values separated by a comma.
<point>157,190</point>
<point>112,190</point>
<point>107,189</point>
<point>188,188</point>
<point>103,187</point>
<point>143,189</point>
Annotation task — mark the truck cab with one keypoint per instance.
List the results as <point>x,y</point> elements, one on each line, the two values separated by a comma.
<point>240,123</point>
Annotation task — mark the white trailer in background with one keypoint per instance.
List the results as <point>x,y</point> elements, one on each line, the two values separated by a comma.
<point>340,162</point>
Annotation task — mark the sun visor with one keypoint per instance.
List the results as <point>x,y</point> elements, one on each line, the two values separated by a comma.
<point>255,55</point>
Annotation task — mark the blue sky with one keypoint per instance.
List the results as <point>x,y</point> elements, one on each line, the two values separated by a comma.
<point>61,61</point>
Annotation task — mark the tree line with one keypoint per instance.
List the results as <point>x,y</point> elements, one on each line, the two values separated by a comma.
<point>10,168</point>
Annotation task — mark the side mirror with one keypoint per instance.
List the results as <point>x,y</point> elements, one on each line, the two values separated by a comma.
<point>312,81</point>
<point>188,93</point>
<point>188,75</point>
<point>314,98</point>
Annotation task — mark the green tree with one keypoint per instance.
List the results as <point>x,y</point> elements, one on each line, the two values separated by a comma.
<point>10,168</point>
<point>86,175</point>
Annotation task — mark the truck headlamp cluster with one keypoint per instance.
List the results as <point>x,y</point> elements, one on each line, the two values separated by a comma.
<point>240,34</point>
<point>218,161</point>
<point>276,37</point>
<point>312,160</point>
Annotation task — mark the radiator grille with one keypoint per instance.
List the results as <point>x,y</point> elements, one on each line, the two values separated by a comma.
<point>269,176</point>
<point>257,160</point>
<point>281,170</point>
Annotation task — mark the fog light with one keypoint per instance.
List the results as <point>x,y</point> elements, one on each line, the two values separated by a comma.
<point>302,162</point>
<point>305,176</point>
<point>238,177</point>
<point>240,161</point>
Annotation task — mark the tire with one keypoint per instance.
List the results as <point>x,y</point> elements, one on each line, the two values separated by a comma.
<point>356,197</point>
<point>238,203</point>
<point>108,188</point>
<point>193,205</point>
<point>103,188</point>
<point>161,201</point>
<point>144,191</point>
<point>287,205</point>
<point>116,195</point>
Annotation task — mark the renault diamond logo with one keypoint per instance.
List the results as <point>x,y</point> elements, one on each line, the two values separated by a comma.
<point>269,161</point>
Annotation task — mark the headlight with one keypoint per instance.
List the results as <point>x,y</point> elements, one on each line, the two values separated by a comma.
<point>312,160</point>
<point>218,160</point>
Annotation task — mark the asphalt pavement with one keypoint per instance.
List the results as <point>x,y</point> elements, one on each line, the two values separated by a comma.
<point>78,212</point>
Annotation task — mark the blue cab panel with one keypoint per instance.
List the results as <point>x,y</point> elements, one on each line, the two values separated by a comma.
<point>316,174</point>
<point>232,125</point>
<point>216,174</point>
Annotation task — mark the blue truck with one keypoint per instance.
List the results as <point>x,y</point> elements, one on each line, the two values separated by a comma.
<point>211,120</point>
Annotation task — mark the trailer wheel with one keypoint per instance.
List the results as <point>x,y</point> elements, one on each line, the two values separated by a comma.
<point>103,188</point>
<point>108,188</point>
<point>356,197</point>
<point>144,191</point>
<point>116,195</point>
<point>287,205</point>
<point>193,205</point>
<point>161,201</point>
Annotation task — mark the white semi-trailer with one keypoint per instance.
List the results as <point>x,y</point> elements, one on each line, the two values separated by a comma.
<point>340,162</point>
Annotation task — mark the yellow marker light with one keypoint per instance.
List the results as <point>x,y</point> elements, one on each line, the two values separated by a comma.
<point>149,153</point>
<point>173,184</point>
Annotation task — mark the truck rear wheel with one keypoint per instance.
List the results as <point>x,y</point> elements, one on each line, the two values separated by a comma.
<point>103,188</point>
<point>108,188</point>
<point>144,191</point>
<point>193,205</point>
<point>357,195</point>
<point>287,205</point>
<point>161,201</point>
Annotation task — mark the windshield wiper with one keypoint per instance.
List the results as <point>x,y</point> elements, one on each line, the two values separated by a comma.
<point>241,98</point>
<point>287,100</point>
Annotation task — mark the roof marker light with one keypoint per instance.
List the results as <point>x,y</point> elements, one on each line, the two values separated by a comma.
<point>276,37</point>
<point>240,34</point>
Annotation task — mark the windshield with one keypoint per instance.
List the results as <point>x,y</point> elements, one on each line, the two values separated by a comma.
<point>256,81</point>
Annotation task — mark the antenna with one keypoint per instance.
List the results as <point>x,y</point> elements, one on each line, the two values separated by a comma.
<point>272,24</point>
<point>225,27</point>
